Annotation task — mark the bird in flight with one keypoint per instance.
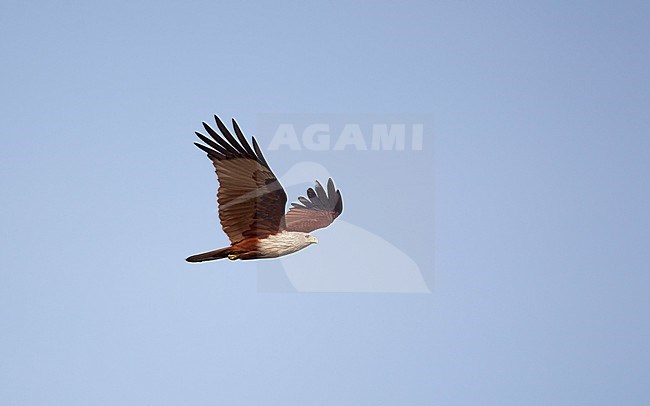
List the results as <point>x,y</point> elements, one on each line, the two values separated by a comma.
<point>252,201</point>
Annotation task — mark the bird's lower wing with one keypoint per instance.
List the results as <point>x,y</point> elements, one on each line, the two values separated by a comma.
<point>318,210</point>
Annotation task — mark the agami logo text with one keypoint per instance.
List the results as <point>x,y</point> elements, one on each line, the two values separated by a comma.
<point>351,136</point>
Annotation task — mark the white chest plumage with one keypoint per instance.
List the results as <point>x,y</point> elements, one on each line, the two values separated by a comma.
<point>284,243</point>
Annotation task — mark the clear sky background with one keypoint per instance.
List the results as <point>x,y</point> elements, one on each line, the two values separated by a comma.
<point>540,192</point>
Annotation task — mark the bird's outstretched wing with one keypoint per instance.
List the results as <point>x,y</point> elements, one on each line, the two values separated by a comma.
<point>251,200</point>
<point>318,210</point>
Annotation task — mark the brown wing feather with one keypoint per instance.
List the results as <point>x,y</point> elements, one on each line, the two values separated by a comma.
<point>251,200</point>
<point>318,210</point>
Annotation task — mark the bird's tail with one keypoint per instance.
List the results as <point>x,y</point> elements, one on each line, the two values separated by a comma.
<point>210,256</point>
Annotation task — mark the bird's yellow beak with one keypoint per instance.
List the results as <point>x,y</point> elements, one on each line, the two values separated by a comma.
<point>313,240</point>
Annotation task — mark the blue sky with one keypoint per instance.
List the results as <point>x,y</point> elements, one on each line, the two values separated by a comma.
<point>536,189</point>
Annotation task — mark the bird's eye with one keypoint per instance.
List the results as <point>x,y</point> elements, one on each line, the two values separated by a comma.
<point>307,236</point>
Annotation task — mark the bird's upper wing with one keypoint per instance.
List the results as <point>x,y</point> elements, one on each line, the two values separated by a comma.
<point>251,200</point>
<point>318,210</point>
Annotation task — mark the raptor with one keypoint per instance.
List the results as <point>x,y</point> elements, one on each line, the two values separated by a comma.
<point>252,202</point>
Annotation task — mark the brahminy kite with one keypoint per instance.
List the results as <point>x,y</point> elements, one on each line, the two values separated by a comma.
<point>252,202</point>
